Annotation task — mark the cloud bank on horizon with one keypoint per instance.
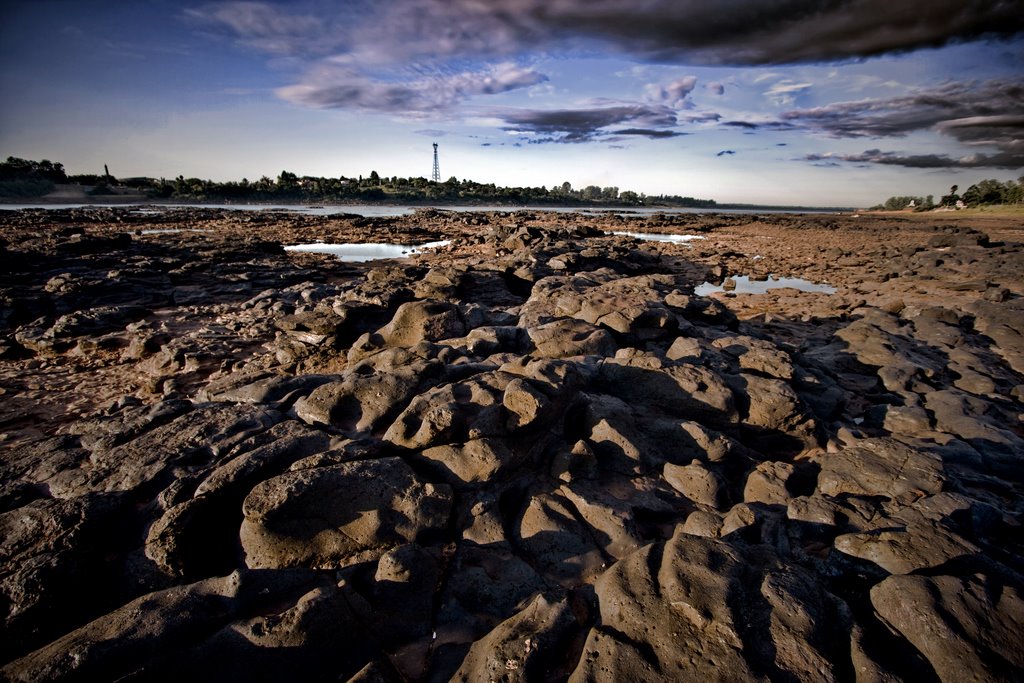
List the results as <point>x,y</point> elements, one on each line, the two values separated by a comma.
<point>450,59</point>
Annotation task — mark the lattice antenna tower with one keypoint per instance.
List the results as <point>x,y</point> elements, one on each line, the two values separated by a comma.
<point>436,177</point>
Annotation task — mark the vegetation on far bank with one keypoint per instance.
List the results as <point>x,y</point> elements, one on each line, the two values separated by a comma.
<point>23,179</point>
<point>985,193</point>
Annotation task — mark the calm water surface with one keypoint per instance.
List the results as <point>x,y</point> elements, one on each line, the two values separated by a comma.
<point>355,253</point>
<point>744,285</point>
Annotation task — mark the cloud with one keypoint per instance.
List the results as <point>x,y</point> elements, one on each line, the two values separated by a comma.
<point>267,28</point>
<point>784,93</point>
<point>1001,131</point>
<point>674,94</point>
<point>918,110</point>
<point>984,114</point>
<point>680,31</point>
<point>701,117</point>
<point>757,32</point>
<point>876,156</point>
<point>649,133</point>
<point>584,125</point>
<point>756,125</point>
<point>422,59</point>
<point>338,86</point>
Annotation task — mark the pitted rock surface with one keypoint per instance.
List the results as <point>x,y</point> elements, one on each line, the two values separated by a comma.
<point>533,454</point>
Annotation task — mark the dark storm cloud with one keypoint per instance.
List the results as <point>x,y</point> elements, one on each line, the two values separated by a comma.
<point>759,32</point>
<point>924,109</point>
<point>751,126</point>
<point>648,133</point>
<point>701,117</point>
<point>984,114</point>
<point>584,125</point>
<point>1005,132</point>
<point>875,156</point>
<point>746,125</point>
<point>732,32</point>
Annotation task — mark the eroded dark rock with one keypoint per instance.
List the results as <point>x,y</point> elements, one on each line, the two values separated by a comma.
<point>535,454</point>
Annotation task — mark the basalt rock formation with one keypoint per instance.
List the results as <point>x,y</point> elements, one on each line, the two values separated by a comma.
<point>532,454</point>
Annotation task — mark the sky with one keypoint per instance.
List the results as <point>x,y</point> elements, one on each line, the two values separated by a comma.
<point>809,102</point>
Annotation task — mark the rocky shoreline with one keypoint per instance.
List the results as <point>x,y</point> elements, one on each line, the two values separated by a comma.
<point>532,454</point>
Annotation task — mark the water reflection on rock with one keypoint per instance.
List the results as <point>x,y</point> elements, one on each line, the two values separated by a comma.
<point>370,251</point>
<point>744,285</point>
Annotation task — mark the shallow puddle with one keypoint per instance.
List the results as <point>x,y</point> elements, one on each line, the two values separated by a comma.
<point>660,237</point>
<point>744,285</point>
<point>354,252</point>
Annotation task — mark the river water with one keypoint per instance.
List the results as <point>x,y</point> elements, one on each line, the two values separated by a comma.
<point>383,210</point>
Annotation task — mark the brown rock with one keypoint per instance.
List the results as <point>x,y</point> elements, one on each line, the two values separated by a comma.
<point>880,467</point>
<point>328,517</point>
<point>418,321</point>
<point>767,484</point>
<point>525,647</point>
<point>696,482</point>
<point>967,627</point>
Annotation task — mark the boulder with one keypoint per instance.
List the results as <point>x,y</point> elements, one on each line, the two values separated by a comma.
<point>684,391</point>
<point>902,551</point>
<point>526,405</point>
<point>880,467</point>
<point>360,403</point>
<point>525,647</point>
<point>768,484</point>
<point>968,628</point>
<point>476,462</point>
<point>693,608</point>
<point>697,483</point>
<point>453,413</point>
<point>560,546</point>
<point>568,337</point>
<point>426,320</point>
<point>333,516</point>
<point>154,626</point>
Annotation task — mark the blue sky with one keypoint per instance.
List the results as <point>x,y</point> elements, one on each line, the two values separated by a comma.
<point>843,102</point>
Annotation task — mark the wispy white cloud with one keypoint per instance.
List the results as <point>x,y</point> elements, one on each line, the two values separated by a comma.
<point>338,85</point>
<point>785,93</point>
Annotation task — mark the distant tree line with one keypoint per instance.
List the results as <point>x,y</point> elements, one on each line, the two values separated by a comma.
<point>289,187</point>
<point>376,188</point>
<point>22,178</point>
<point>985,193</point>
